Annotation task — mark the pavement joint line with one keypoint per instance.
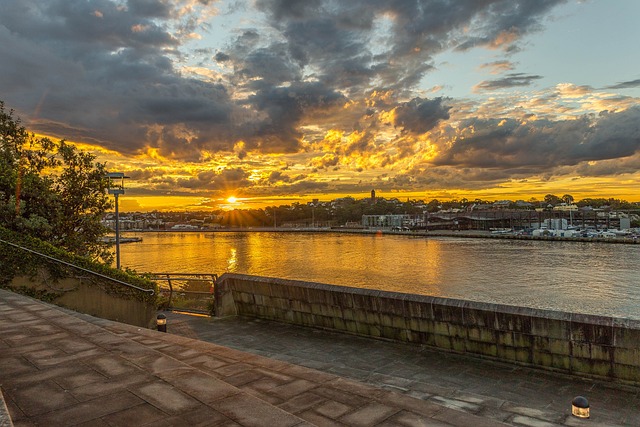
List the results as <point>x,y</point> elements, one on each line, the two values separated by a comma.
<point>132,335</point>
<point>532,385</point>
<point>610,397</point>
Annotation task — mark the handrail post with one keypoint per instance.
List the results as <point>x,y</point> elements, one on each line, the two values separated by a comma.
<point>170,291</point>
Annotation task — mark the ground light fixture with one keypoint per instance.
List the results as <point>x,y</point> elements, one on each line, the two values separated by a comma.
<point>115,186</point>
<point>161,322</point>
<point>580,407</point>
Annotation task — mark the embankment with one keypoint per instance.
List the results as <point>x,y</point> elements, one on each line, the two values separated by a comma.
<point>596,346</point>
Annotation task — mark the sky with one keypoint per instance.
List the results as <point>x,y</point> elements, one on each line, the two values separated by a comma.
<point>281,101</point>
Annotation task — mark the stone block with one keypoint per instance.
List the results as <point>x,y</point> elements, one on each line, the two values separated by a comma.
<point>521,340</point>
<point>316,296</point>
<point>504,338</point>
<point>418,309</point>
<point>245,298</point>
<point>364,301</point>
<point>513,322</point>
<point>307,319</point>
<point>281,303</point>
<point>542,358</point>
<point>506,353</point>
<point>259,299</point>
<point>449,313</point>
<point>348,314</point>
<point>474,317</point>
<point>373,317</point>
<point>482,335</point>
<point>482,348</point>
<point>626,356</point>
<point>375,331</point>
<point>360,316</point>
<point>561,362</point>
<point>523,355</point>
<point>298,305</point>
<point>363,328</point>
<point>625,337</point>
<point>388,332</point>
<point>560,347</point>
<point>393,306</point>
<point>288,316</point>
<point>351,326</point>
<point>626,372</point>
<point>591,367</point>
<point>551,328</point>
<point>587,332</point>
<point>420,325</point>
<point>457,331</point>
<point>440,328</point>
<point>581,350</point>
<point>316,308</point>
<point>541,344</point>
<point>399,322</point>
<point>442,341</point>
<point>601,352</point>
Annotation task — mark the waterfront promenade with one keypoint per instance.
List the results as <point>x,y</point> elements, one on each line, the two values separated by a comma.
<point>58,367</point>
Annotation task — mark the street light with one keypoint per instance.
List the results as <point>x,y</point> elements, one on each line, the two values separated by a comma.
<point>115,186</point>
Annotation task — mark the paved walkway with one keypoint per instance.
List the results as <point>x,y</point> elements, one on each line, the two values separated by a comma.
<point>60,368</point>
<point>494,391</point>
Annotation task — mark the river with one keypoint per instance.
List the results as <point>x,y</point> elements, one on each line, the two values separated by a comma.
<point>593,278</point>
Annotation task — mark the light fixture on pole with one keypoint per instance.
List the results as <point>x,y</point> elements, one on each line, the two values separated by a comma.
<point>116,187</point>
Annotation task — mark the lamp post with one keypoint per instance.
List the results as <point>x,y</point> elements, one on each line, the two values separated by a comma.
<point>116,187</point>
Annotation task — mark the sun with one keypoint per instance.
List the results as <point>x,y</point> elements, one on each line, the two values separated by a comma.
<point>232,199</point>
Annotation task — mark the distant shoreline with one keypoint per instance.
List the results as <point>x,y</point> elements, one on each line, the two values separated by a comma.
<point>473,234</point>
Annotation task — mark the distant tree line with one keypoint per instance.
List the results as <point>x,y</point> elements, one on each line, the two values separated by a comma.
<point>348,209</point>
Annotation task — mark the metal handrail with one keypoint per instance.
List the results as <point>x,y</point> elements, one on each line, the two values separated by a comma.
<point>150,291</point>
<point>171,277</point>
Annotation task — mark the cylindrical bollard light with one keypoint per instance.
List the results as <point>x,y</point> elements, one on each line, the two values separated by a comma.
<point>161,322</point>
<point>580,407</point>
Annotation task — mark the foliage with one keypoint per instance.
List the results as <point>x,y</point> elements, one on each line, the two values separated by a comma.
<point>16,262</point>
<point>51,190</point>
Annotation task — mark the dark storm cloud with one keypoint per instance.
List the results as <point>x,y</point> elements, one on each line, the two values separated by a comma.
<point>105,71</point>
<point>343,42</point>
<point>421,115</point>
<point>496,22</point>
<point>626,85</point>
<point>284,108</point>
<point>98,72</point>
<point>510,80</point>
<point>543,144</point>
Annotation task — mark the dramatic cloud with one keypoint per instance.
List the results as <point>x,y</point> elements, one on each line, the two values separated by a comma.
<point>509,81</point>
<point>626,85</point>
<point>335,90</point>
<point>421,115</point>
<point>542,144</point>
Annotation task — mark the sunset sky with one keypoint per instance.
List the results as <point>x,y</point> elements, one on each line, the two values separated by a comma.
<point>276,101</point>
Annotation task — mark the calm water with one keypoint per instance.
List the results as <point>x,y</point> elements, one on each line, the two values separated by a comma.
<point>578,277</point>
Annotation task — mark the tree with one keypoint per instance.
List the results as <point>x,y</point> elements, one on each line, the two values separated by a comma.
<point>51,190</point>
<point>551,199</point>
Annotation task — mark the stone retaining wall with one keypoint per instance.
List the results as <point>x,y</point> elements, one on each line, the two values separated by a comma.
<point>79,295</point>
<point>581,344</point>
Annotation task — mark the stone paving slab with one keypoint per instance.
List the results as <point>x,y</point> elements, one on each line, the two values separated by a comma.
<point>492,391</point>
<point>60,368</point>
